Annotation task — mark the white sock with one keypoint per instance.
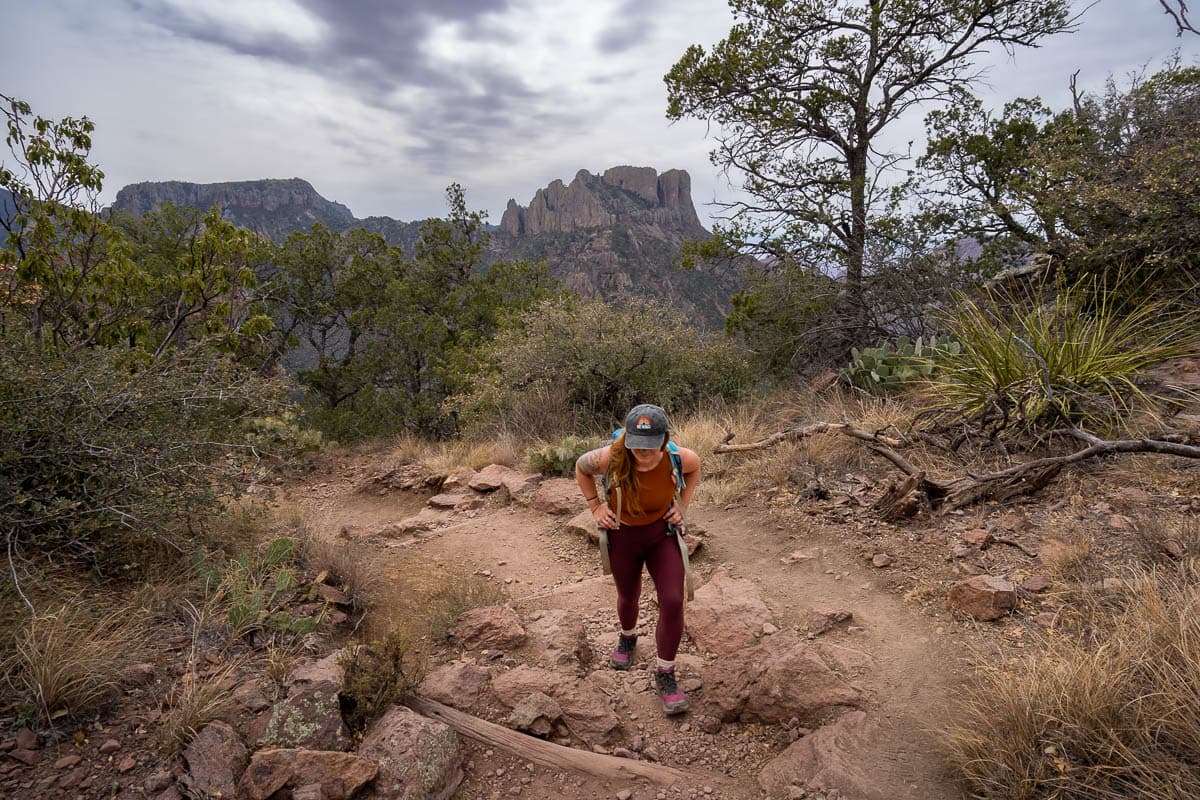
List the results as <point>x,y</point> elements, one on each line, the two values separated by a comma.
<point>632,632</point>
<point>665,666</point>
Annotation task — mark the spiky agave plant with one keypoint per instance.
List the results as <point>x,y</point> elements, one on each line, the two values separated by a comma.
<point>1077,356</point>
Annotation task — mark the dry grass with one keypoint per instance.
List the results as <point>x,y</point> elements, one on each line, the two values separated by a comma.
<point>199,696</point>
<point>1163,541</point>
<point>445,457</point>
<point>441,609</point>
<point>346,565</point>
<point>1095,718</point>
<point>70,659</point>
<point>199,699</point>
<point>1069,555</point>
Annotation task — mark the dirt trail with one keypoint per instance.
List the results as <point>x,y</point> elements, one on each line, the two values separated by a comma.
<point>904,667</point>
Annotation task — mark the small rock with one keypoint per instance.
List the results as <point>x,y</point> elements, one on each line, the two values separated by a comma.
<point>624,794</point>
<point>66,762</point>
<point>27,757</point>
<point>769,629</point>
<point>127,763</point>
<point>881,560</point>
<point>976,537</point>
<point>27,739</point>
<point>159,781</point>
<point>1036,583</point>
<point>1047,619</point>
<point>110,746</point>
<point>138,675</point>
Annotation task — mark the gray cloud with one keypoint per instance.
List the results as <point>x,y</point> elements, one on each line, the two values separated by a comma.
<point>632,24</point>
<point>371,48</point>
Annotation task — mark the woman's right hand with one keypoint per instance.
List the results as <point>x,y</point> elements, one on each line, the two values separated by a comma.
<point>604,517</point>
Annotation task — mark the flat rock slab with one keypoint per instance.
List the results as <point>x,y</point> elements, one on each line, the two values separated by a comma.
<point>726,615</point>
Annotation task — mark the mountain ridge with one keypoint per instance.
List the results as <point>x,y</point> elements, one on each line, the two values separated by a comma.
<point>614,236</point>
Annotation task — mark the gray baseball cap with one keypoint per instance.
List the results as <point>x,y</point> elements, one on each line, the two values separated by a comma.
<point>646,427</point>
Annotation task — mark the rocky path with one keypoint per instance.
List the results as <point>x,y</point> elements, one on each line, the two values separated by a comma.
<point>790,696</point>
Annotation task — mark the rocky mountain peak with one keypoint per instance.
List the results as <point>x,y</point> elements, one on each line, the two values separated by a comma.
<point>272,207</point>
<point>622,194</point>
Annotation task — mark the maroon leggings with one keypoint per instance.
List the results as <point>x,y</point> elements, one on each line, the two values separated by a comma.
<point>628,549</point>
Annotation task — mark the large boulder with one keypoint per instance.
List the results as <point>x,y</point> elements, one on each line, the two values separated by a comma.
<point>456,684</point>
<point>492,477</point>
<point>584,704</point>
<point>326,670</point>
<point>340,775</point>
<point>496,627</point>
<point>418,757</point>
<point>829,758</point>
<point>309,718</point>
<point>726,615</point>
<point>784,677</point>
<point>558,496</point>
<point>583,525</point>
<point>215,759</point>
<point>557,638</point>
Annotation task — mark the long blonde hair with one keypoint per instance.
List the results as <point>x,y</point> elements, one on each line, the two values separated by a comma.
<point>622,475</point>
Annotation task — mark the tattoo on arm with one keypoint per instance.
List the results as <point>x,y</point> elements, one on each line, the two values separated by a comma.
<point>589,462</point>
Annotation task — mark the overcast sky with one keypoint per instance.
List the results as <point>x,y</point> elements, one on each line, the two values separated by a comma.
<point>380,104</point>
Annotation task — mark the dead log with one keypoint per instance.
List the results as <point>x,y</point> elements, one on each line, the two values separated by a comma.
<point>552,755</point>
<point>806,431</point>
<point>904,499</point>
<point>919,491</point>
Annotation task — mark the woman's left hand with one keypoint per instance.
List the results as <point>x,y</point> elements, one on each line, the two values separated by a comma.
<point>674,516</point>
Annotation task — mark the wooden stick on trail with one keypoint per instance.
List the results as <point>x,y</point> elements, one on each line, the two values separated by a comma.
<point>552,755</point>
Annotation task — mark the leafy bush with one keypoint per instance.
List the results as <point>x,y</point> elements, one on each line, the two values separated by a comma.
<point>95,455</point>
<point>572,366</point>
<point>376,675</point>
<point>1076,356</point>
<point>888,368</point>
<point>559,458</point>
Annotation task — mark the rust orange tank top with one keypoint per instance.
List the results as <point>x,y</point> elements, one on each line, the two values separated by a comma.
<point>656,490</point>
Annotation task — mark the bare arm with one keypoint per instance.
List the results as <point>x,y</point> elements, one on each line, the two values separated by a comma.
<point>587,467</point>
<point>691,475</point>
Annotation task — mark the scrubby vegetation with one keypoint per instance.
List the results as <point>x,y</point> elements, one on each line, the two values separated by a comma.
<point>154,370</point>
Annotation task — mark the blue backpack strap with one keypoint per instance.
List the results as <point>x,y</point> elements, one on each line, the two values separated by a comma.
<point>676,465</point>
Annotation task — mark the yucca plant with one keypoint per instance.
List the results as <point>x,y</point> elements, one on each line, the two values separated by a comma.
<point>1077,357</point>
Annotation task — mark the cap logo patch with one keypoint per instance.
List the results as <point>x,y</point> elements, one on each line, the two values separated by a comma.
<point>644,424</point>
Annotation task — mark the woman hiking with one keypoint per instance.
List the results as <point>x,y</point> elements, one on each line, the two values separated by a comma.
<point>639,472</point>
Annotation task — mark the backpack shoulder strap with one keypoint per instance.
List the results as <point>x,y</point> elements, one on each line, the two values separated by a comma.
<point>676,465</point>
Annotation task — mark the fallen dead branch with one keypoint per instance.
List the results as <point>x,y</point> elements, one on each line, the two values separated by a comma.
<point>549,754</point>
<point>918,492</point>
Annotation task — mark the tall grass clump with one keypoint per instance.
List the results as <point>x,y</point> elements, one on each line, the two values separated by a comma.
<point>1112,712</point>
<point>69,660</point>
<point>1076,356</point>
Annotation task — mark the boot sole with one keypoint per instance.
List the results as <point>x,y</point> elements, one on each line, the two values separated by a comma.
<point>618,665</point>
<point>675,708</point>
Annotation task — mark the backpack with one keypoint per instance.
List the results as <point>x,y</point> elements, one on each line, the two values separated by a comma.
<point>675,530</point>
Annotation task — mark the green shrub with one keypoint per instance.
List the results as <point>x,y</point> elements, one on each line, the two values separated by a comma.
<point>890,367</point>
<point>1076,356</point>
<point>559,458</point>
<point>96,455</point>
<point>571,367</point>
<point>256,592</point>
<point>376,675</point>
<point>282,436</point>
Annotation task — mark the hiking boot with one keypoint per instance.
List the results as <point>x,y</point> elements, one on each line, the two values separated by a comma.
<point>622,657</point>
<point>673,699</point>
